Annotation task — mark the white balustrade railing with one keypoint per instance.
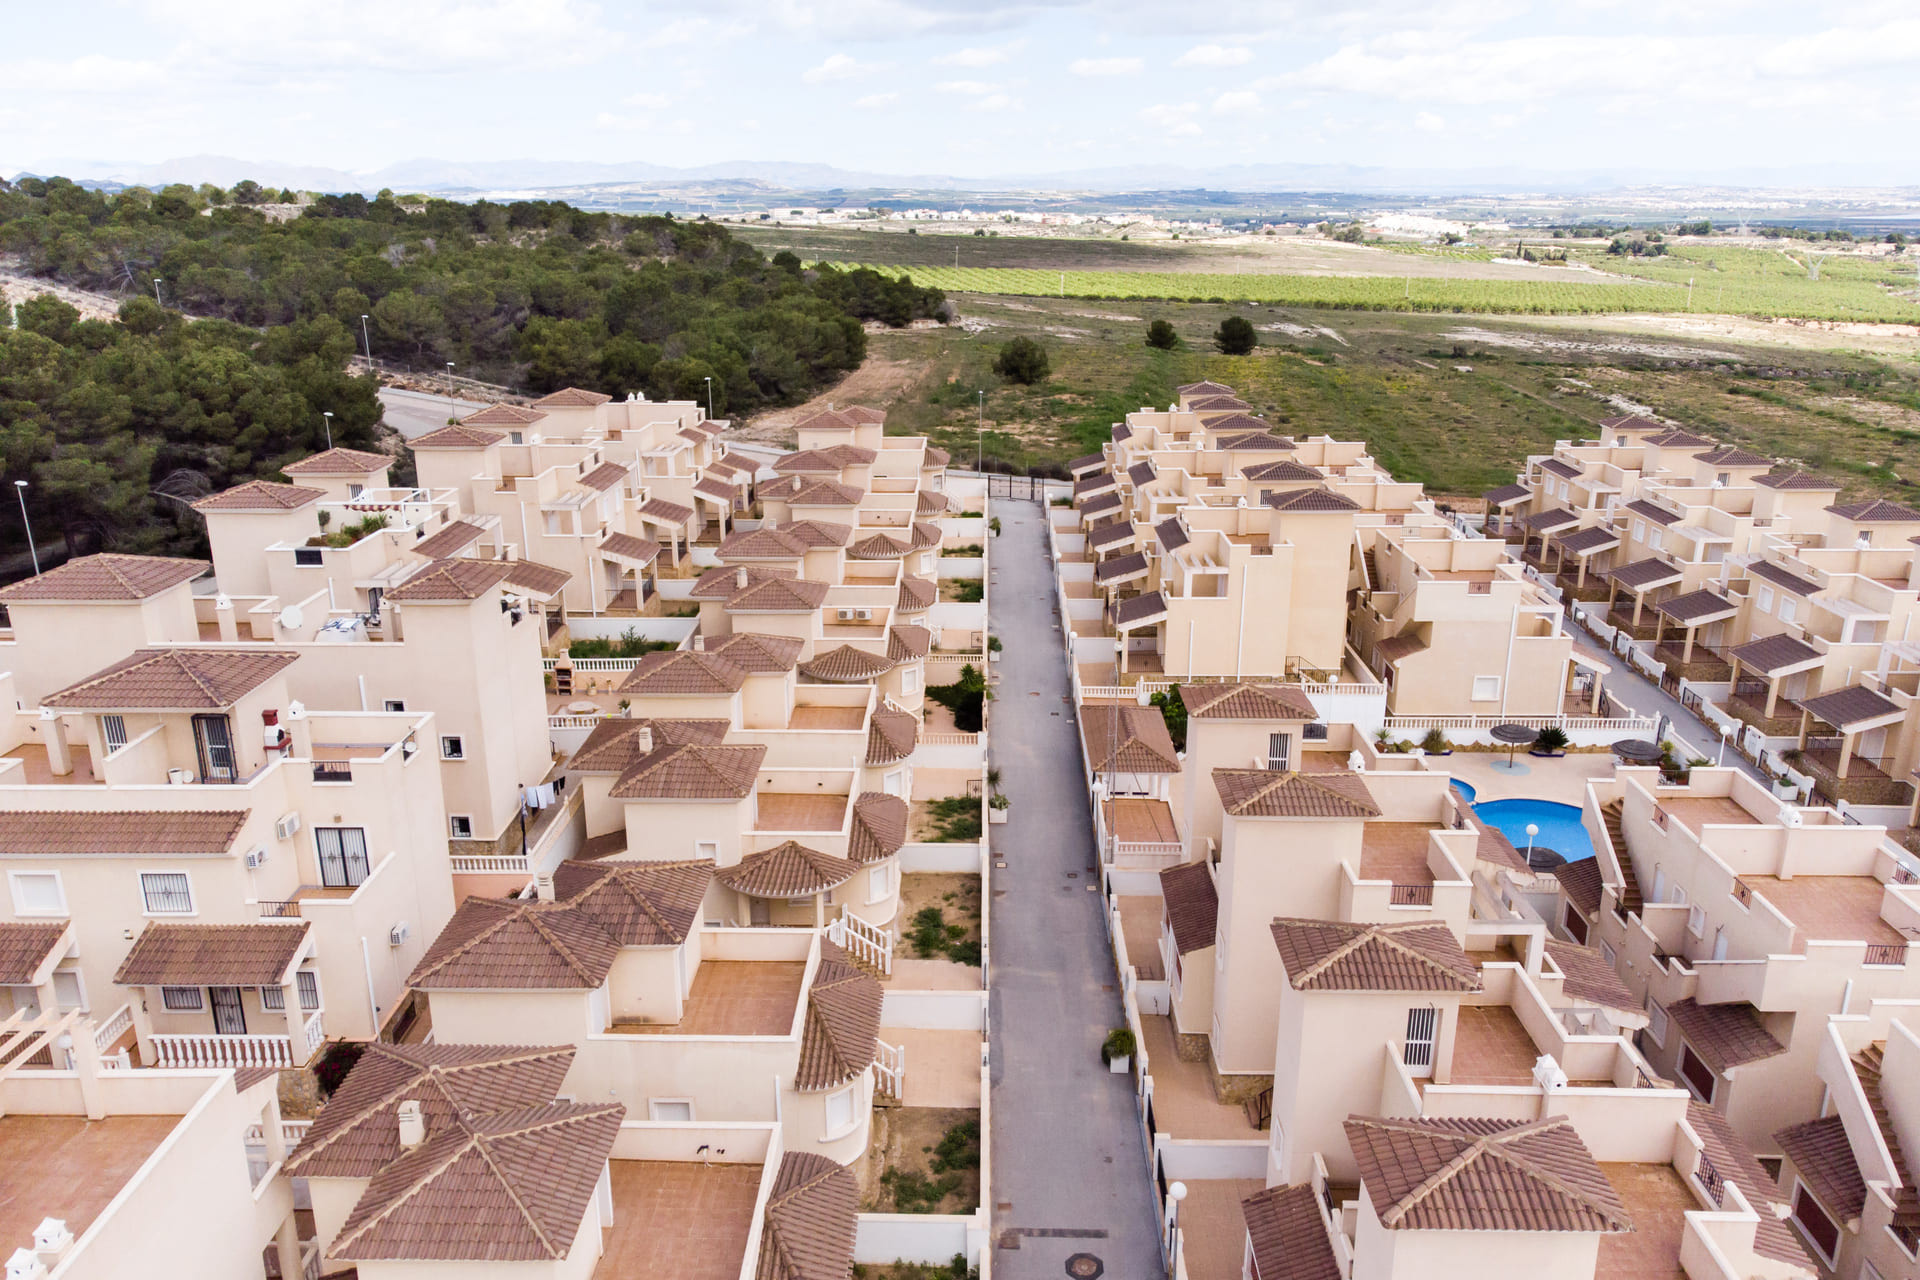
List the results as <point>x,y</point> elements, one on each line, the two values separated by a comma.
<point>116,1025</point>
<point>951,739</point>
<point>1623,724</point>
<point>222,1051</point>
<point>1143,855</point>
<point>890,1069</point>
<point>869,942</point>
<point>574,722</point>
<point>291,1131</point>
<point>315,1032</point>
<point>479,864</point>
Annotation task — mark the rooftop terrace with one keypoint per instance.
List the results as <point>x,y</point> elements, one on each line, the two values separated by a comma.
<point>1658,1201</point>
<point>69,1167</point>
<point>787,811</point>
<point>734,998</point>
<point>686,1220</point>
<point>1828,908</point>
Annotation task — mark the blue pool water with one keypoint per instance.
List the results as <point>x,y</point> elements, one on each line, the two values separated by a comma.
<point>1559,824</point>
<point>1465,789</point>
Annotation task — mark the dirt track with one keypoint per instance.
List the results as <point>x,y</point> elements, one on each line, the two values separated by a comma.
<point>876,383</point>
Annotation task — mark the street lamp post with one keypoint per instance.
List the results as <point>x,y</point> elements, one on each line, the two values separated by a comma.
<point>450,412</point>
<point>328,415</point>
<point>20,491</point>
<point>979,435</point>
<point>709,399</point>
<point>1533,829</point>
<point>369,341</point>
<point>156,292</point>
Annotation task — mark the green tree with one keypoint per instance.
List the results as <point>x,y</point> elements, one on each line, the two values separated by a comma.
<point>1022,360</point>
<point>1162,337</point>
<point>1235,336</point>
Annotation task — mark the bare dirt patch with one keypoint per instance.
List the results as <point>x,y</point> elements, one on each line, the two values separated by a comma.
<point>878,382</point>
<point>955,894</point>
<point>906,1142</point>
<point>16,289</point>
<point>1524,342</point>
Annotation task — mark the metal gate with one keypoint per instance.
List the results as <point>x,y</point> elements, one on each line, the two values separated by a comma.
<point>1029,488</point>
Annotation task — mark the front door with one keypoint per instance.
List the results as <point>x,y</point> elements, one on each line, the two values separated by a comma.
<point>758,914</point>
<point>229,1019</point>
<point>214,737</point>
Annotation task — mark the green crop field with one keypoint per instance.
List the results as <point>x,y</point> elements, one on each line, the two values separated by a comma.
<point>1750,282</point>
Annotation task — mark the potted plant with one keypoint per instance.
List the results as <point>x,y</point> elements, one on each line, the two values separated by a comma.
<point>1117,1050</point>
<point>1435,743</point>
<point>1785,788</point>
<point>993,648</point>
<point>1381,737</point>
<point>997,807</point>
<point>1551,743</point>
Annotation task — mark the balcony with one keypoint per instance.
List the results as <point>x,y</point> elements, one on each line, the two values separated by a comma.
<point>1702,665</point>
<point>1867,780</point>
<point>1748,704</point>
<point>197,1051</point>
<point>1621,618</point>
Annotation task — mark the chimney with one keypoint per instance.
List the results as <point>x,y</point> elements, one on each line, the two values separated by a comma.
<point>543,886</point>
<point>51,1240</point>
<point>643,740</point>
<point>740,578</point>
<point>413,1125</point>
<point>796,484</point>
<point>25,1265</point>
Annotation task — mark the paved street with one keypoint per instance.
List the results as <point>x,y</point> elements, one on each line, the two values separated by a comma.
<point>414,413</point>
<point>1069,1174</point>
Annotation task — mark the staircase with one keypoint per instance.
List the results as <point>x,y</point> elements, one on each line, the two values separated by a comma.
<point>1612,814</point>
<point>1373,569</point>
<point>1906,1202</point>
<point>1259,1109</point>
<point>870,947</point>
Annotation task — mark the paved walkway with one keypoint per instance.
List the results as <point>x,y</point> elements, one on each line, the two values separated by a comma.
<point>1069,1173</point>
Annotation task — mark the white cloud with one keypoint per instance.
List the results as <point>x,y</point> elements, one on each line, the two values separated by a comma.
<point>652,101</point>
<point>1215,55</point>
<point>994,102</point>
<point>972,88</point>
<point>1236,101</point>
<point>1107,66</point>
<point>838,66</point>
<point>875,101</point>
<point>1175,119</point>
<point>981,56</point>
<point>1427,122</point>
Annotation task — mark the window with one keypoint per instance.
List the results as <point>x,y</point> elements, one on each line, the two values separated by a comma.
<point>1639,531</point>
<point>516,437</point>
<point>460,826</point>
<point>167,893</point>
<point>1697,1074</point>
<point>1576,924</point>
<point>1279,751</point>
<point>213,735</point>
<point>451,747</point>
<point>1696,921</point>
<point>113,732</point>
<point>910,680</point>
<point>670,1110</point>
<point>1724,479</point>
<point>37,893</point>
<point>1660,884</point>
<point>1423,1027</point>
<point>1821,1231</point>
<point>1656,541</point>
<point>68,993</point>
<point>343,856</point>
<point>1763,599</point>
<point>1789,609</point>
<point>879,883</point>
<point>308,557</point>
<point>308,983</point>
<point>395,704</point>
<point>1679,896</point>
<point>1608,954</point>
<point>839,1112</point>
<point>1657,1023</point>
<point>707,850</point>
<point>1313,732</point>
<point>1486,688</point>
<point>182,999</point>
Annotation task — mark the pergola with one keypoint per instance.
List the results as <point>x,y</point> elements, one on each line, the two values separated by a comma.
<point>1582,545</point>
<point>1773,659</point>
<point>1852,711</point>
<point>1640,577</point>
<point>1690,612</point>
<point>1136,614</point>
<point>1500,504</point>
<point>1544,523</point>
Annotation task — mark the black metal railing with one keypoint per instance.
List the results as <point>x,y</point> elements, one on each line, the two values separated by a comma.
<point>332,771</point>
<point>1411,895</point>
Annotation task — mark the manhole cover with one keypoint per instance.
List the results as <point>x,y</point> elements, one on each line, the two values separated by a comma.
<point>1085,1266</point>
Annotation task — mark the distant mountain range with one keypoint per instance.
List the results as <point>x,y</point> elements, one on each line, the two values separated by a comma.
<point>779,178</point>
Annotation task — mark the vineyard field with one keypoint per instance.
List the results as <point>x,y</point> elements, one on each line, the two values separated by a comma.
<point>1747,282</point>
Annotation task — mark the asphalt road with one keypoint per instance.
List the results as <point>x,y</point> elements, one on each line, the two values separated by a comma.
<point>1069,1172</point>
<point>414,413</point>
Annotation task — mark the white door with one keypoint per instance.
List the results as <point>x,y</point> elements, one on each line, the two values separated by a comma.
<point>1423,1028</point>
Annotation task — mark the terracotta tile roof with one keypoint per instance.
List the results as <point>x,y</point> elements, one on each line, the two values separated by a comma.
<point>908,643</point>
<point>847,665</point>
<point>1876,511</point>
<point>1247,702</point>
<point>863,413</point>
<point>779,595</point>
<point>718,490</point>
<point>1125,738</point>
<point>626,546</point>
<point>1203,389</point>
<point>1483,1175</point>
<point>604,476</point>
<point>1644,574</point>
<point>685,671</point>
<point>660,511</point>
<point>1724,1036</point>
<point>1170,533</point>
<point>1589,977</point>
<point>1287,1235</point>
<point>759,654</point>
<point>819,493</point>
<point>928,502</point>
<point>1311,500</point>
<point>175,680</point>
<point>831,460</point>
<point>1104,482</point>
<point>693,772</point>
<point>502,415</point>
<point>1271,793</point>
<point>1565,470</point>
<point>105,577</point>
<point>1193,905</point>
<point>916,594</point>
<point>1234,422</point>
<point>213,955</point>
<point>458,436</point>
<point>1677,439</point>
<point>1412,955</point>
<point>1774,653</point>
<point>820,533</point>
<point>1730,1154</point>
<point>1732,456</point>
<point>1284,471</point>
<point>1580,881</point>
<point>722,582</point>
<point>1824,1158</point>
<point>1697,607</point>
<point>724,466</point>
<point>1140,610</point>
<point>1783,577</point>
<point>879,827</point>
<point>812,1217</point>
<point>614,745</point>
<point>452,581</point>
<point>926,536</point>
<point>1121,432</point>
<point>1549,520</point>
<point>1115,534</point>
<point>128,831</point>
<point>637,904</point>
<point>1120,568</point>
<point>1218,404</point>
<point>1587,541</point>
<point>571,398</point>
<point>935,458</point>
<point>512,1186</point>
<point>339,462</point>
<point>1850,706</point>
<point>261,495</point>
<point>1493,846</point>
<point>1631,422</point>
<point>1256,442</point>
<point>789,870</point>
<point>357,1132</point>
<point>1506,494</point>
<point>878,546</point>
<point>842,1023</point>
<point>1792,478</point>
<point>891,736</point>
<point>502,944</point>
<point>824,418</point>
<point>762,544</point>
<point>1087,463</point>
<point>540,580</point>
<point>24,947</point>
<point>1394,648</point>
<point>1648,511</point>
<point>457,536</point>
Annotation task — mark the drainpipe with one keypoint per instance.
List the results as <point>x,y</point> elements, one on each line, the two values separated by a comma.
<point>1240,639</point>
<point>1513,625</point>
<point>373,1001</point>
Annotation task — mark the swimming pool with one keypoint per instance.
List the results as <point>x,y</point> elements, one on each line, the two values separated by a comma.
<point>1560,828</point>
<point>1465,789</point>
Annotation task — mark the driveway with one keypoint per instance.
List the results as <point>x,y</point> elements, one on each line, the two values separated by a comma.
<point>414,413</point>
<point>1069,1173</point>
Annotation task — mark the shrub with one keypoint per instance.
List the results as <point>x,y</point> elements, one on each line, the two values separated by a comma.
<point>1161,336</point>
<point>966,698</point>
<point>1023,361</point>
<point>1235,336</point>
<point>1550,739</point>
<point>1435,743</point>
<point>1118,1044</point>
<point>630,644</point>
<point>1174,712</point>
<point>969,591</point>
<point>956,819</point>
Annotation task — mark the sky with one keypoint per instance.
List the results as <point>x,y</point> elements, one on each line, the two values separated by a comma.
<point>979,88</point>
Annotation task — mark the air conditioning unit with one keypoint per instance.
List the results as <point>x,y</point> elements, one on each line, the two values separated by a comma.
<point>287,826</point>
<point>864,615</point>
<point>398,935</point>
<point>845,615</point>
<point>256,858</point>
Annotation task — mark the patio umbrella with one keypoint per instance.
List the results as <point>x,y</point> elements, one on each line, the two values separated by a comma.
<point>1514,736</point>
<point>1638,751</point>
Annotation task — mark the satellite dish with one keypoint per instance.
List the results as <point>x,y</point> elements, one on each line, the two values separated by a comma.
<point>291,618</point>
